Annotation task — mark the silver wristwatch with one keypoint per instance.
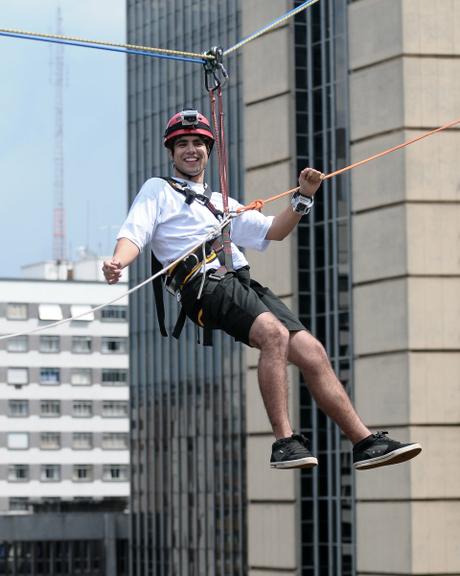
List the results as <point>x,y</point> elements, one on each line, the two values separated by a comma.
<point>301,204</point>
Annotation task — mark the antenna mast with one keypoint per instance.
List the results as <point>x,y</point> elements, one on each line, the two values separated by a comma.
<point>58,77</point>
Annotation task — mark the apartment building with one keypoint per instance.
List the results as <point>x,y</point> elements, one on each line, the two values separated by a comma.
<point>63,391</point>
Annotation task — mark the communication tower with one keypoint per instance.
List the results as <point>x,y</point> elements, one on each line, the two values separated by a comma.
<point>59,214</point>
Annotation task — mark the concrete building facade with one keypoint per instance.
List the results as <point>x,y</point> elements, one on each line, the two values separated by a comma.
<point>373,272</point>
<point>404,79</point>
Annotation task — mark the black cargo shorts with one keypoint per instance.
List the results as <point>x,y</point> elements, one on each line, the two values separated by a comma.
<point>233,303</point>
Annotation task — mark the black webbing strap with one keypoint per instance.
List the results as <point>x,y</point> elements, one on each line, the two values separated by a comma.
<point>179,323</point>
<point>158,294</point>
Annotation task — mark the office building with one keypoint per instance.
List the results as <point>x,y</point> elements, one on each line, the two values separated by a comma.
<point>373,272</point>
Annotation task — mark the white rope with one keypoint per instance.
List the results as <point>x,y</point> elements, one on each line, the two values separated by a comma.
<point>212,234</point>
<point>278,22</point>
<point>203,271</point>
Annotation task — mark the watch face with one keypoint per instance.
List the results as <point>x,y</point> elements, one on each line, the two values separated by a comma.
<point>301,204</point>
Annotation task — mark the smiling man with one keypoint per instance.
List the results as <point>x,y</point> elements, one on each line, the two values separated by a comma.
<point>171,216</point>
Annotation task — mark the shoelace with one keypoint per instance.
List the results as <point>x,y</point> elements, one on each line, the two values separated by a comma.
<point>380,434</point>
<point>302,440</point>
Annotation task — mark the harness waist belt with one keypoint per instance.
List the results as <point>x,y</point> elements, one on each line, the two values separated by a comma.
<point>186,269</point>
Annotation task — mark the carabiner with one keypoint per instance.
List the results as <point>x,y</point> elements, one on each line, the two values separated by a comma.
<point>215,74</point>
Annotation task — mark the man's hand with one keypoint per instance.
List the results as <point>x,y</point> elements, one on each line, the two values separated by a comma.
<point>112,270</point>
<point>309,181</point>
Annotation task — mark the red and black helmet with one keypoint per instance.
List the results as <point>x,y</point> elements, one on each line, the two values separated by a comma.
<point>186,123</point>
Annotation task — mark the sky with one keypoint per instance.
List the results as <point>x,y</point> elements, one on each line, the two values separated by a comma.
<point>95,181</point>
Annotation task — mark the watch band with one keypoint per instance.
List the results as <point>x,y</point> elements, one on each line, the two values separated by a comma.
<point>301,204</point>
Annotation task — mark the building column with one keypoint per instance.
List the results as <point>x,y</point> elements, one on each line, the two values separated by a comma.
<point>273,533</point>
<point>405,78</point>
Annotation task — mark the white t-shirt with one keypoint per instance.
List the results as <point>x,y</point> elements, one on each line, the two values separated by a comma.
<point>160,218</point>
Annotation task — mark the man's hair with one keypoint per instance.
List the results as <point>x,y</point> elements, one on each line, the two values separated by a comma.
<point>206,141</point>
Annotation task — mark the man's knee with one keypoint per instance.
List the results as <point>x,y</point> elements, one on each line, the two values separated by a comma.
<point>268,332</point>
<point>307,350</point>
<point>317,351</point>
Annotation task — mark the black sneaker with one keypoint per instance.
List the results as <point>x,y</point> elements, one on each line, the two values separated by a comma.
<point>292,452</point>
<point>380,450</point>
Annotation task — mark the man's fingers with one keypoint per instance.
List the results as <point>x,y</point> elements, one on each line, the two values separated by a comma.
<point>307,174</point>
<point>312,175</point>
<point>113,278</point>
<point>112,270</point>
<point>111,265</point>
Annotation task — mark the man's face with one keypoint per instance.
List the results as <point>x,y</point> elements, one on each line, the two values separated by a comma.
<point>190,156</point>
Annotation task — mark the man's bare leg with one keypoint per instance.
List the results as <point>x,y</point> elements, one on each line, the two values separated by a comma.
<point>308,354</point>
<point>272,339</point>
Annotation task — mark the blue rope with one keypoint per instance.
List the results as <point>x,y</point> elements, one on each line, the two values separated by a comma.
<point>273,24</point>
<point>108,48</point>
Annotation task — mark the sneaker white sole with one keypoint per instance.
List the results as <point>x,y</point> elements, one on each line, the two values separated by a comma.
<point>396,457</point>
<point>309,462</point>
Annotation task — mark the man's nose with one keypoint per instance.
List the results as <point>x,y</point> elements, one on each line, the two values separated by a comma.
<point>191,147</point>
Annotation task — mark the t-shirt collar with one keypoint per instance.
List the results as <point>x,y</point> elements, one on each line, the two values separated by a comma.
<point>196,186</point>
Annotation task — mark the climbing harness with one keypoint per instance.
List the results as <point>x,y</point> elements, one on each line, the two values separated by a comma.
<point>187,268</point>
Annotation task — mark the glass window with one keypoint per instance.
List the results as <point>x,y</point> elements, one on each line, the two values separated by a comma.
<point>49,312</point>
<point>50,408</point>
<point>18,376</point>
<point>114,376</point>
<point>115,441</point>
<point>50,440</point>
<point>17,311</point>
<point>82,344</point>
<point>50,376</point>
<point>115,409</point>
<point>114,314</point>
<point>18,440</point>
<point>18,344</point>
<point>18,473</point>
<point>50,344</point>
<point>82,441</point>
<point>81,377</point>
<point>18,408</point>
<point>115,473</point>
<point>82,473</point>
<point>50,473</point>
<point>18,504</point>
<point>77,309</point>
<point>82,409</point>
<point>112,345</point>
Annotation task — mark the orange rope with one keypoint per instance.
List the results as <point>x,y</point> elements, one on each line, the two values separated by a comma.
<point>259,204</point>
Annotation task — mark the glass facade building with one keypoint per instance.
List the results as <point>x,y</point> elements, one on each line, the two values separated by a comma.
<point>324,279</point>
<point>187,401</point>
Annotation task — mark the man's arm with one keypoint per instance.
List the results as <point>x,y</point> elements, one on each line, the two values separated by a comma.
<point>285,222</point>
<point>124,254</point>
